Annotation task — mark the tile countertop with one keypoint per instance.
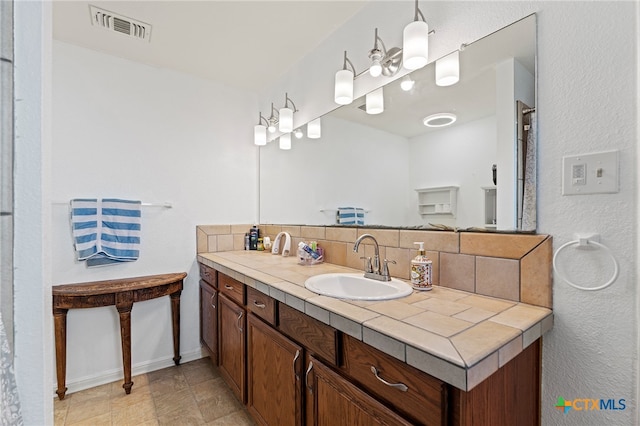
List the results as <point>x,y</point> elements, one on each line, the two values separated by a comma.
<point>459,337</point>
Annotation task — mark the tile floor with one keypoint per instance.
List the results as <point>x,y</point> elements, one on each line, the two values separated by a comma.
<point>189,394</point>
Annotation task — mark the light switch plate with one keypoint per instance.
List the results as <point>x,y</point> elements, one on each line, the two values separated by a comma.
<point>595,173</point>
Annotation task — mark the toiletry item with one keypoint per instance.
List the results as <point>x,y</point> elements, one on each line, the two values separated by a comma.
<point>254,233</point>
<point>267,243</point>
<point>421,269</point>
<point>260,244</point>
<point>286,248</point>
<point>246,241</point>
<point>304,246</point>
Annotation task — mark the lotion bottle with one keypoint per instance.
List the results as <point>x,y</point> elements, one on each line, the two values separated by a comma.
<point>421,269</point>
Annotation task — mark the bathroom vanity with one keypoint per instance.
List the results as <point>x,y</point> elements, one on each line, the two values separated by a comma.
<point>294,357</point>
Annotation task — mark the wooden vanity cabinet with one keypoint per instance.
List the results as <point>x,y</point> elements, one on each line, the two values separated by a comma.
<point>338,402</point>
<point>274,382</point>
<point>232,344</point>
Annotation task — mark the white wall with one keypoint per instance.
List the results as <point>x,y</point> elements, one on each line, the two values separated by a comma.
<point>455,156</point>
<point>123,129</point>
<point>587,102</point>
<point>337,170</point>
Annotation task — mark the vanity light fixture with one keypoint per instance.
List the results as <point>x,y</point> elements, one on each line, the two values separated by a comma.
<point>406,83</point>
<point>415,42</point>
<point>375,101</point>
<point>260,131</point>
<point>314,129</point>
<point>298,133</point>
<point>273,120</point>
<point>384,61</point>
<point>286,115</point>
<point>440,119</point>
<point>343,94</point>
<point>448,69</point>
<point>285,141</point>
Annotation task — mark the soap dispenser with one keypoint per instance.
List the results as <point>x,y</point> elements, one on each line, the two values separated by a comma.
<point>421,268</point>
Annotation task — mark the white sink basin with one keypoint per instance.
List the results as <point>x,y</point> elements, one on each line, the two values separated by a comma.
<point>357,287</point>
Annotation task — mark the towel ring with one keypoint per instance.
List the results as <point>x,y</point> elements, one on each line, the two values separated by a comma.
<point>581,242</point>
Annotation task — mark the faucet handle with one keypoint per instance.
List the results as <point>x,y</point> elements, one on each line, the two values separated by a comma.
<point>367,263</point>
<point>385,267</point>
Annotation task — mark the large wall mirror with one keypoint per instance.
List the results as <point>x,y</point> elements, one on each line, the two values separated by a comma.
<point>470,174</point>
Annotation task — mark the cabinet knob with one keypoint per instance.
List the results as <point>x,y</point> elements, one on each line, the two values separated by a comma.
<point>400,386</point>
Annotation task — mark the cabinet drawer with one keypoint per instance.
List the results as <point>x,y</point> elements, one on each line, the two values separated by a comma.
<point>319,338</point>
<point>261,305</point>
<point>208,274</point>
<point>232,288</point>
<point>416,395</point>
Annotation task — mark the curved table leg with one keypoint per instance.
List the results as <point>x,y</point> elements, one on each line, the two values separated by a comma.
<point>60,322</point>
<point>124,310</point>
<point>175,317</point>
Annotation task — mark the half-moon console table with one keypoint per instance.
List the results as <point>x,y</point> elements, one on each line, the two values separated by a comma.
<point>122,293</point>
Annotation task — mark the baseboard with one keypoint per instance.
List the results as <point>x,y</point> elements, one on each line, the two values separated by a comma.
<point>114,375</point>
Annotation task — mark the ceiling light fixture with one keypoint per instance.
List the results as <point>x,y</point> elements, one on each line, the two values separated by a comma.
<point>285,141</point>
<point>273,120</point>
<point>375,101</point>
<point>343,94</point>
<point>298,133</point>
<point>407,84</point>
<point>286,115</point>
<point>441,119</point>
<point>314,129</point>
<point>415,42</point>
<point>384,61</point>
<point>260,131</point>
<point>448,69</point>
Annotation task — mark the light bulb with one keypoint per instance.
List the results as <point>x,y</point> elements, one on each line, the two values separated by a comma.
<point>298,133</point>
<point>407,84</point>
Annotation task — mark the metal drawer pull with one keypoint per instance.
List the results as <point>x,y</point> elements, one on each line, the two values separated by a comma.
<point>228,287</point>
<point>211,301</point>
<point>295,359</point>
<point>400,386</point>
<point>306,376</point>
<point>239,318</point>
<point>259,305</point>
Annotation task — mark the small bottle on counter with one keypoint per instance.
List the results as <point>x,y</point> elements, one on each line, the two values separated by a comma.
<point>304,246</point>
<point>260,244</point>
<point>421,270</point>
<point>254,233</point>
<point>246,241</point>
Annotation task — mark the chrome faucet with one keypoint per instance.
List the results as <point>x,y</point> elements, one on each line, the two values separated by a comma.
<point>372,269</point>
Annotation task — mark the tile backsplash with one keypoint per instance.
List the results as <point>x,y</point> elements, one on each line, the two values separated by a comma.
<point>515,267</point>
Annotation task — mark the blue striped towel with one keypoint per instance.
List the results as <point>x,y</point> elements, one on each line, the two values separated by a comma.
<point>106,231</point>
<point>350,216</point>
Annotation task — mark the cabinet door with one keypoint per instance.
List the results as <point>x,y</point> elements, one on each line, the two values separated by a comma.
<point>209,320</point>
<point>274,385</point>
<point>338,402</point>
<point>232,345</point>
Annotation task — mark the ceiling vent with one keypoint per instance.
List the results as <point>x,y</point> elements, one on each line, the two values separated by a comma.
<point>113,22</point>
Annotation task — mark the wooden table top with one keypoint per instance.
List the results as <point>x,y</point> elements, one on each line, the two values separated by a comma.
<point>117,285</point>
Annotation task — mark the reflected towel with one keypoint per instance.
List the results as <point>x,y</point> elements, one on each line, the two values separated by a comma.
<point>9,398</point>
<point>350,216</point>
<point>106,231</point>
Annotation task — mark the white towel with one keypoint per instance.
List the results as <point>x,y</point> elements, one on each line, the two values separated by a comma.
<point>351,216</point>
<point>106,231</point>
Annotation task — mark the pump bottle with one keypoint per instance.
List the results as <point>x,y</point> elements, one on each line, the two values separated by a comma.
<point>421,269</point>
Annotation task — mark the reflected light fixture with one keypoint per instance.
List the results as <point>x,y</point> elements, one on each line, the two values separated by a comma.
<point>415,42</point>
<point>260,131</point>
<point>375,101</point>
<point>285,141</point>
<point>384,61</point>
<point>273,120</point>
<point>286,115</point>
<point>448,69</point>
<point>344,83</point>
<point>298,133</point>
<point>440,119</point>
<point>407,84</point>
<point>314,129</point>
